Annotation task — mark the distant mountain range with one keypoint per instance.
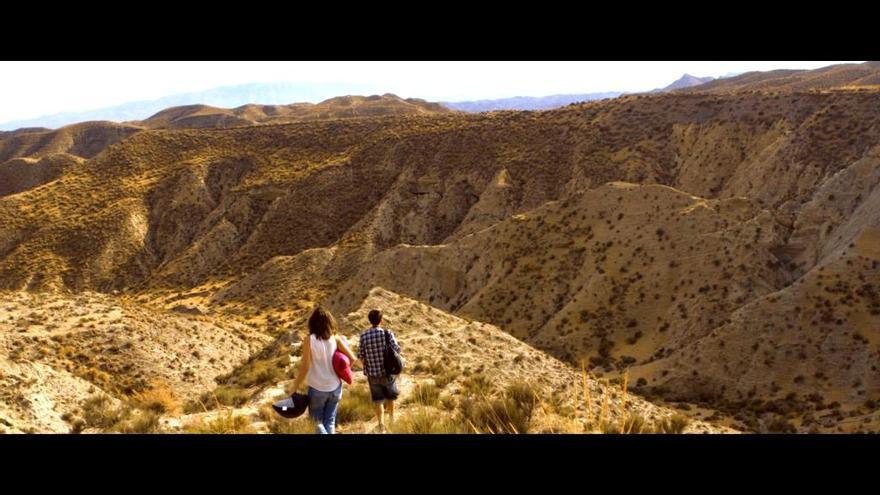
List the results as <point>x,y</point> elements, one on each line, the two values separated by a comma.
<point>287,93</point>
<point>556,101</point>
<point>527,102</point>
<point>223,97</point>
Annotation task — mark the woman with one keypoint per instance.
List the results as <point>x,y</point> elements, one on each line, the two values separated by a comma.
<point>316,364</point>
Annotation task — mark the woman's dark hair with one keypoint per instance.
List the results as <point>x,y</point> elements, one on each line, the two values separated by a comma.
<point>322,323</point>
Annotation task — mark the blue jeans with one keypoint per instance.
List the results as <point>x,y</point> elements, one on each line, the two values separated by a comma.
<point>323,407</point>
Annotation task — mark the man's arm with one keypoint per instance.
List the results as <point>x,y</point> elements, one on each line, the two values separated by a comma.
<point>360,353</point>
<point>394,344</point>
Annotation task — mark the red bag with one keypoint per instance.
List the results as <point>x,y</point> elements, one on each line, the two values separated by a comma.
<point>342,366</point>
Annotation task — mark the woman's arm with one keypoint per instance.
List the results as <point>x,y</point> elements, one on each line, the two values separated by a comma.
<point>343,346</point>
<point>304,363</point>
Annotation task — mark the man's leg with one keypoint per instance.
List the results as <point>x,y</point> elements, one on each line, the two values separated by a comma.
<point>378,397</point>
<point>391,394</point>
<point>389,407</point>
<point>380,414</point>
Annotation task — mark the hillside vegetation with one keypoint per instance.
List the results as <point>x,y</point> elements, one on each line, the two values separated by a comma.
<point>717,249</point>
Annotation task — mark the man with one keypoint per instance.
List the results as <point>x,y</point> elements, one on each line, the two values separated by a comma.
<point>371,352</point>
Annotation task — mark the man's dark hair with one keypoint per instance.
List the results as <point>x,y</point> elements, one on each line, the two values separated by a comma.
<point>375,317</point>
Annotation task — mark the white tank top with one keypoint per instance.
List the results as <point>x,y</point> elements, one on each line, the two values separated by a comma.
<point>321,375</point>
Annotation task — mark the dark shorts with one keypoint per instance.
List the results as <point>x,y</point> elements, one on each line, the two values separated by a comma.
<point>383,388</point>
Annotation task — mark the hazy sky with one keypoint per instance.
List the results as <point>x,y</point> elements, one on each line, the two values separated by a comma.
<point>33,89</point>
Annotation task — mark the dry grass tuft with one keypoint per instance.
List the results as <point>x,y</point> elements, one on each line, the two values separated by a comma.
<point>426,420</point>
<point>356,405</point>
<point>510,413</point>
<point>425,394</point>
<point>159,399</point>
<point>227,423</point>
<point>674,424</point>
<point>98,411</point>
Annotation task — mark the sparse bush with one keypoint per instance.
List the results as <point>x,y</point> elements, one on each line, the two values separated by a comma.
<point>145,422</point>
<point>99,412</point>
<point>427,421</point>
<point>477,384</point>
<point>510,413</point>
<point>674,424</point>
<point>609,427</point>
<point>299,426</point>
<point>436,368</point>
<point>557,405</point>
<point>356,405</point>
<point>635,424</point>
<point>426,394</point>
<point>225,424</point>
<point>77,425</point>
<point>223,395</point>
<point>445,378</point>
<point>779,424</point>
<point>523,394</point>
<point>159,399</point>
<point>448,402</point>
<point>260,372</point>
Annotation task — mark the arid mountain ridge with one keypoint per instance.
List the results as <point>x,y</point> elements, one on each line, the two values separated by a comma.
<point>723,248</point>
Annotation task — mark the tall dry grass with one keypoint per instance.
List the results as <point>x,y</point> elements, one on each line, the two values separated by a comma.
<point>158,399</point>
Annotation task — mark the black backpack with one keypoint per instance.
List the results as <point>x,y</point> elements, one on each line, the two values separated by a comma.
<point>393,362</point>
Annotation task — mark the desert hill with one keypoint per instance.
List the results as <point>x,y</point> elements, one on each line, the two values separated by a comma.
<point>180,206</point>
<point>58,350</point>
<point>865,75</point>
<point>84,140</point>
<point>655,281</point>
<point>710,244</point>
<point>685,81</point>
<point>21,174</point>
<point>203,116</point>
<point>460,372</point>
